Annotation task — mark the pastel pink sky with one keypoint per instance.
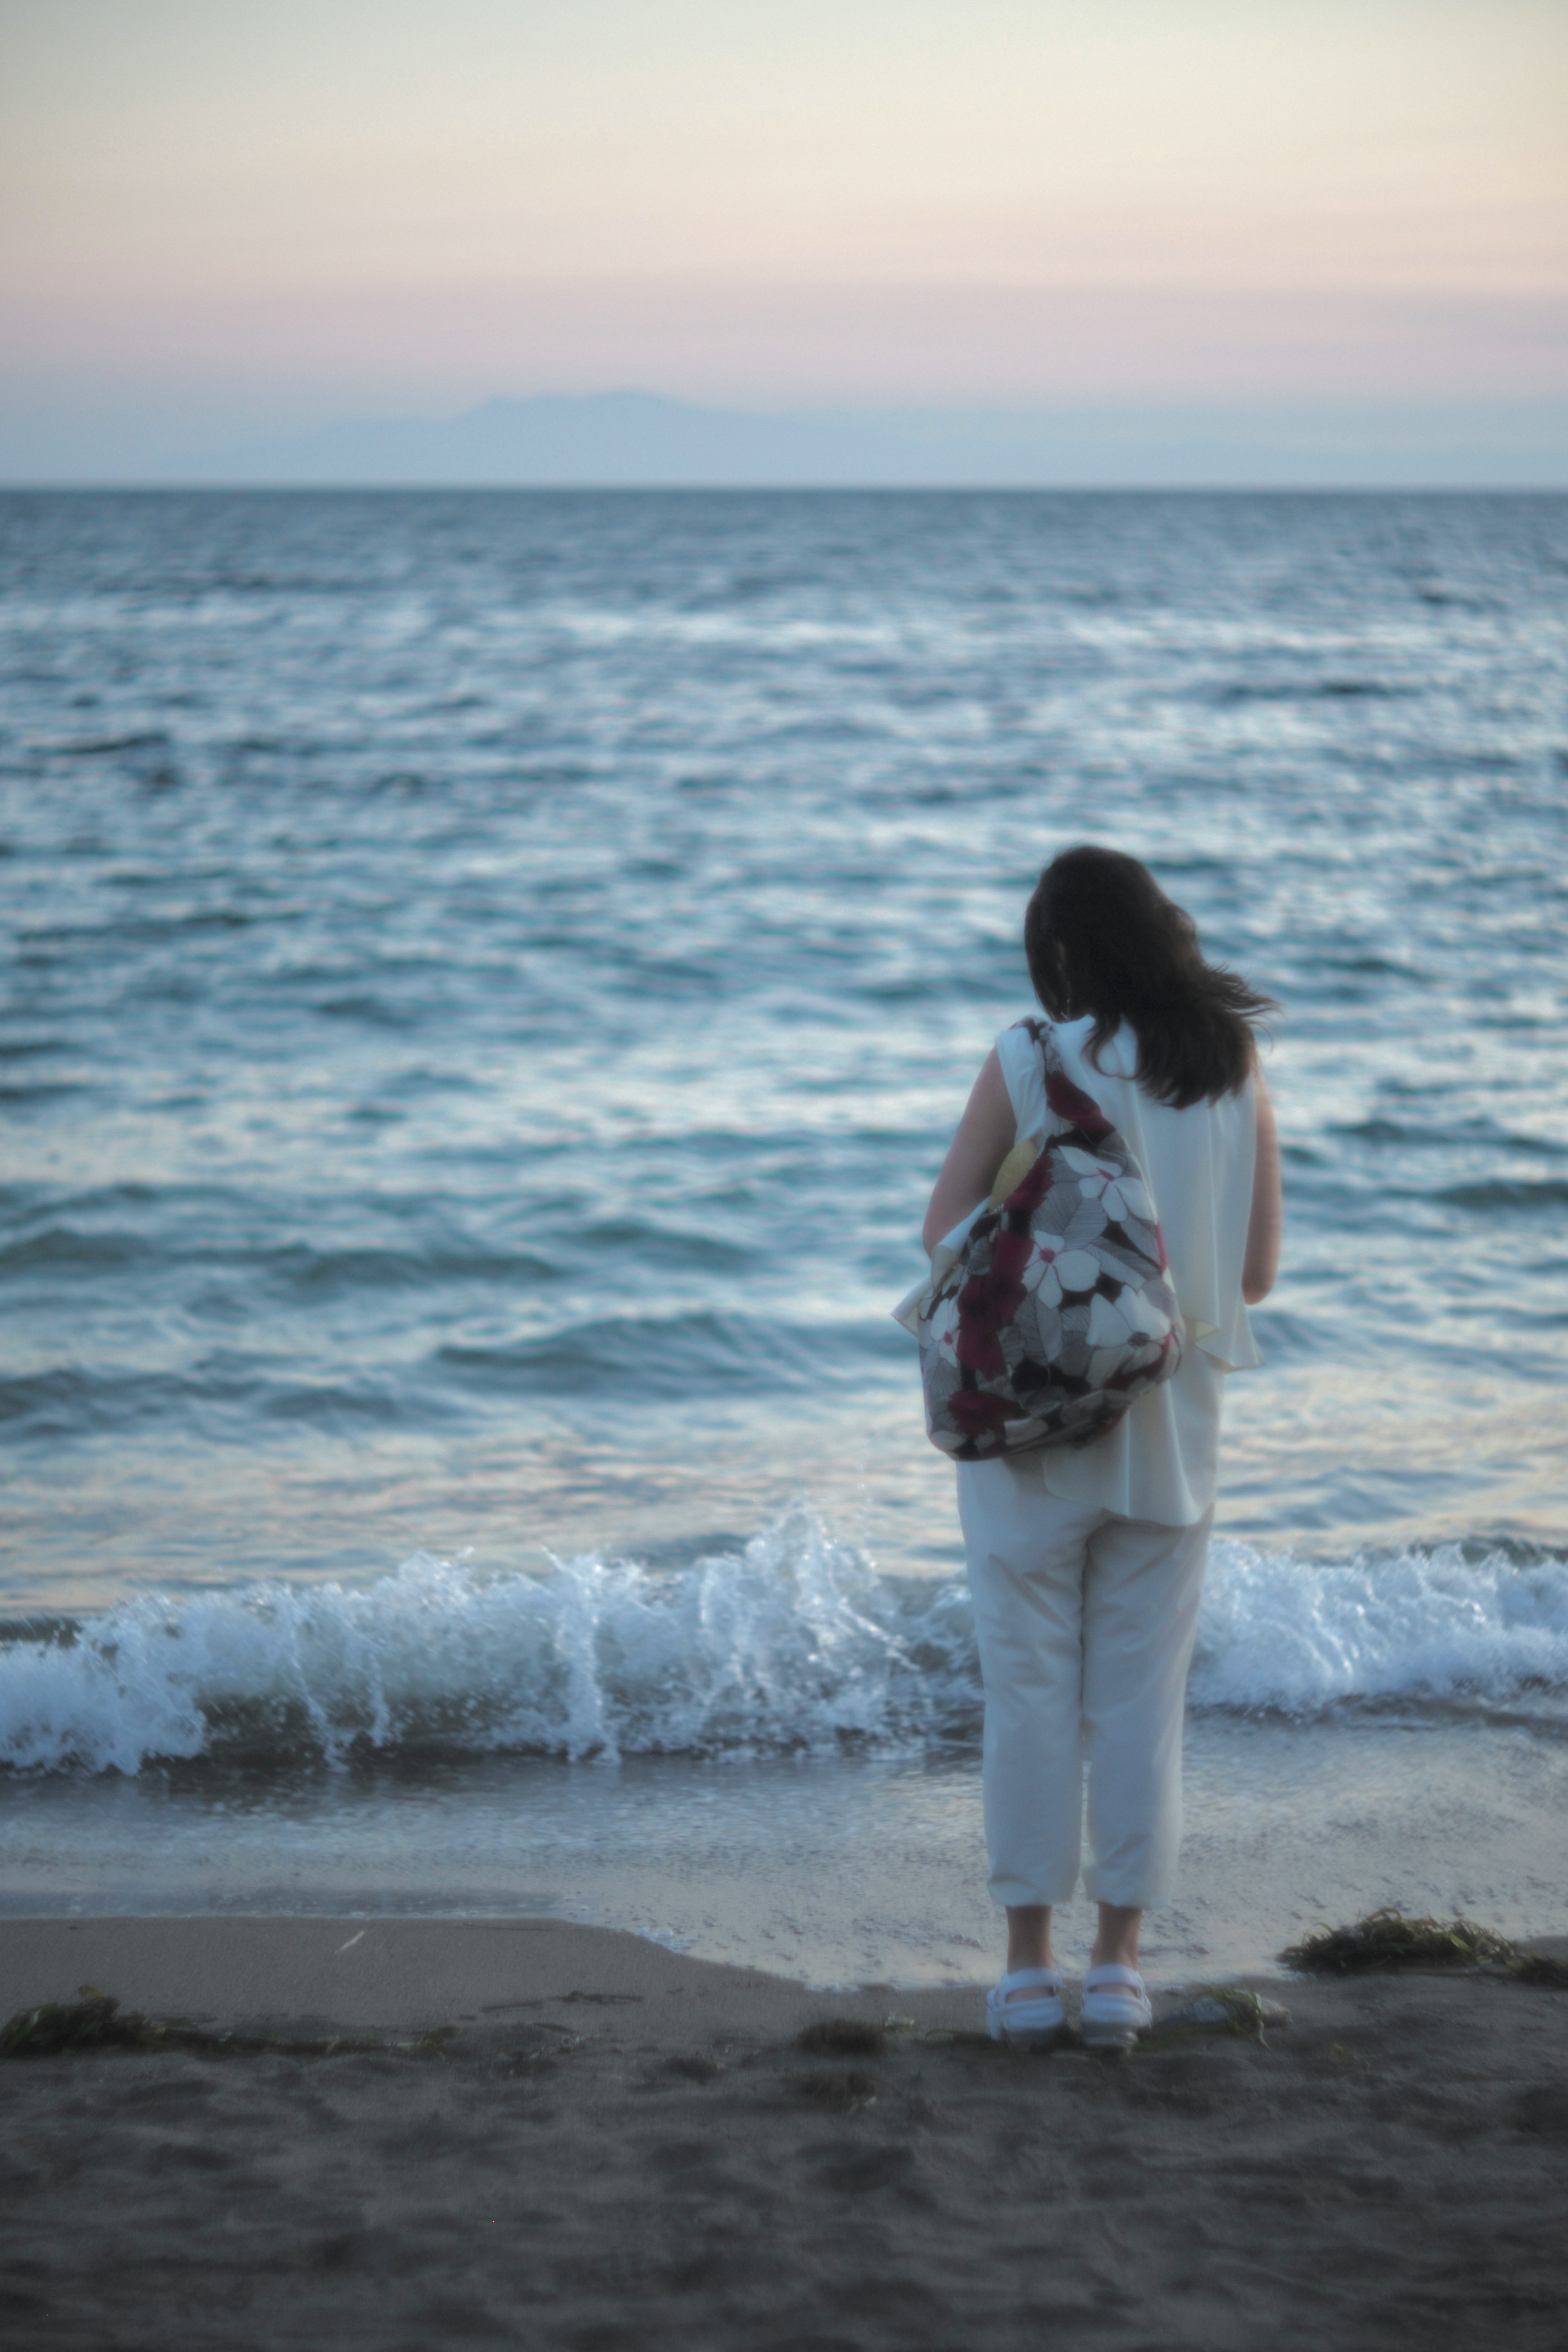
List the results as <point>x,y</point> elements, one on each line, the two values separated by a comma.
<point>295,203</point>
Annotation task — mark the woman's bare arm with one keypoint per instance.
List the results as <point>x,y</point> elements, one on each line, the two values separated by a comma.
<point>986,1136</point>
<point>1261,1263</point>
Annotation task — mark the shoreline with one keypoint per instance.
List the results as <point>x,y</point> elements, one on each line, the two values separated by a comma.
<point>411,1974</point>
<point>397,1973</point>
<point>825,1871</point>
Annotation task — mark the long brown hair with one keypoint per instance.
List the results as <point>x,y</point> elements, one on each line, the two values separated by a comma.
<point>1103,938</point>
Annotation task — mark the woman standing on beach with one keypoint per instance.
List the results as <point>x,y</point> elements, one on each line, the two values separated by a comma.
<point>1086,1561</point>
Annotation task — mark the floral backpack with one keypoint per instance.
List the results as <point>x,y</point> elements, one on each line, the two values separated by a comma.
<point>1049,1310</point>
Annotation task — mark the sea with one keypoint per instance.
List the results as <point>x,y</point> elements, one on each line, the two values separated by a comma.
<point>488,980</point>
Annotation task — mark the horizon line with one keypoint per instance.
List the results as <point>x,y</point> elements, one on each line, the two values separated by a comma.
<point>122,487</point>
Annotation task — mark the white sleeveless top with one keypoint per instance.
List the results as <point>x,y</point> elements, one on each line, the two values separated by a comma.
<point>1161,1462</point>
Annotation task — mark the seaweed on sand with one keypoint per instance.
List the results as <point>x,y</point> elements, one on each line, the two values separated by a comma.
<point>97,2021</point>
<point>1389,1939</point>
<point>843,2037</point>
<point>1541,1968</point>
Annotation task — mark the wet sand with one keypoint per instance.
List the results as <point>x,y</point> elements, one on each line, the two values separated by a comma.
<point>622,2147</point>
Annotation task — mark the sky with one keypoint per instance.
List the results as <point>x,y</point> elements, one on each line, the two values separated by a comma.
<point>241,218</point>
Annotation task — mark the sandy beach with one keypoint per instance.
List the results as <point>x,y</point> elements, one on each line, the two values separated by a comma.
<point>619,2145</point>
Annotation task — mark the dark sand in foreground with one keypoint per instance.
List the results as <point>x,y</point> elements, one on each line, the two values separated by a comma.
<point>623,2148</point>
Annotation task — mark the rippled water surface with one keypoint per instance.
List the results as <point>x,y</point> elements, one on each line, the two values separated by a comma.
<point>488,980</point>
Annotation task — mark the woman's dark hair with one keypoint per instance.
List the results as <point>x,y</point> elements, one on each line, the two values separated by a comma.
<point>1103,938</point>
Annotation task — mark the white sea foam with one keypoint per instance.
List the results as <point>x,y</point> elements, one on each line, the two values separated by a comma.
<point>795,1643</point>
<point>1299,1636</point>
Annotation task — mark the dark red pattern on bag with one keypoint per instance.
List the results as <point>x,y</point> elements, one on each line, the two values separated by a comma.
<point>991,1299</point>
<point>1068,1102</point>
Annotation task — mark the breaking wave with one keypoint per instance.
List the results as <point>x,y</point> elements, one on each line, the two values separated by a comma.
<point>795,1643</point>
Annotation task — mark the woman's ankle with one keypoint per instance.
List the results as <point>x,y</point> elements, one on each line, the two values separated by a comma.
<point>1028,1936</point>
<point>1116,1942</point>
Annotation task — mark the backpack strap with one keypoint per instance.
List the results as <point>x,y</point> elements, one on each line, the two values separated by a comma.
<point>1067,1105</point>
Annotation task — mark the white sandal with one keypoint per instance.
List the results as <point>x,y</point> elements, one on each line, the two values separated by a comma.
<point>1116,2008</point>
<point>1030,2023</point>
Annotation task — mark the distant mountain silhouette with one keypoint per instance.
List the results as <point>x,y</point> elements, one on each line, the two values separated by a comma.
<point>616,438</point>
<point>641,439</point>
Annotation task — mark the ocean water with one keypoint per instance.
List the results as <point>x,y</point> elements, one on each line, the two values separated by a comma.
<point>488,979</point>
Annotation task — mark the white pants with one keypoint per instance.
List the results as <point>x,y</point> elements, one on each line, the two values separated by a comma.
<point>1085,1624</point>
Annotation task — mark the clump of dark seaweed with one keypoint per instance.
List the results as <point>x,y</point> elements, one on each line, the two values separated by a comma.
<point>843,2037</point>
<point>1541,1968</point>
<point>1390,1939</point>
<point>97,2021</point>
